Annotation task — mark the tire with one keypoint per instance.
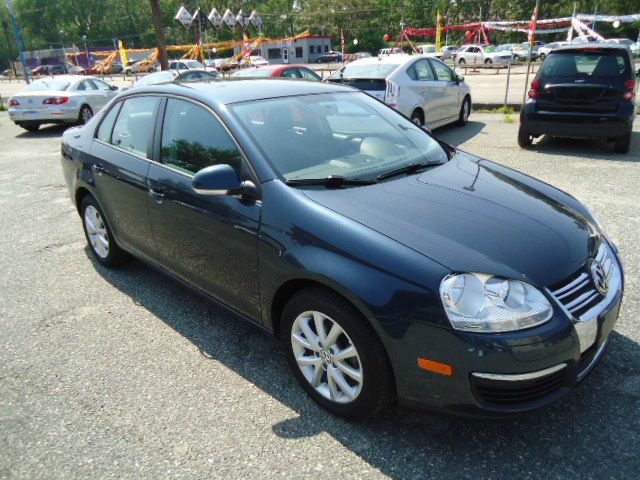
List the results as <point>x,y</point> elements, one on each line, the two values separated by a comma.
<point>417,118</point>
<point>85,114</point>
<point>360,399</point>
<point>30,127</point>
<point>462,61</point>
<point>465,111</point>
<point>96,229</point>
<point>488,61</point>
<point>622,144</point>
<point>524,138</point>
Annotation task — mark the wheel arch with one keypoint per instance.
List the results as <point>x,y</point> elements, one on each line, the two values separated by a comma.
<point>81,193</point>
<point>420,111</point>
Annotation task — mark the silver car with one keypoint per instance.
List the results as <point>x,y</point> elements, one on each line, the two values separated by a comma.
<point>422,88</point>
<point>62,99</point>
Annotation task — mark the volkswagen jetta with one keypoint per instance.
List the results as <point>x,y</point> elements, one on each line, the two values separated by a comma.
<point>392,266</point>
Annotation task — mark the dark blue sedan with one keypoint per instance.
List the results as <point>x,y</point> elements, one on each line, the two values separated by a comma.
<point>393,267</point>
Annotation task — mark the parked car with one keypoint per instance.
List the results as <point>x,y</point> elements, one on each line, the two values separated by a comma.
<point>49,70</point>
<point>423,89</point>
<point>185,64</point>
<point>633,46</point>
<point>520,52</point>
<point>62,99</point>
<point>286,71</point>
<point>78,70</point>
<point>330,57</point>
<point>355,237</point>
<point>582,91</point>
<point>141,66</point>
<point>478,54</point>
<point>447,51</point>
<point>546,49</point>
<point>165,76</point>
<point>222,64</point>
<point>429,50</point>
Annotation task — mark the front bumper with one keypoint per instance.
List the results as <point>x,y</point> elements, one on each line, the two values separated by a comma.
<point>502,374</point>
<point>45,115</point>
<point>575,124</point>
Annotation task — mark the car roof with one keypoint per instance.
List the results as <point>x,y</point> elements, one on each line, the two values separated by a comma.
<point>228,91</point>
<point>394,59</point>
<point>591,46</point>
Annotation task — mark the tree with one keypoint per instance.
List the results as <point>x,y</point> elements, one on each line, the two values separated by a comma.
<point>157,24</point>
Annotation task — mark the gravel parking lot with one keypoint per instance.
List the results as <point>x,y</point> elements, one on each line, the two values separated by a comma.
<point>124,373</point>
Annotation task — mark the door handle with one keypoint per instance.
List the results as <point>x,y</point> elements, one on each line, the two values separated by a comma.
<point>98,168</point>
<point>157,195</point>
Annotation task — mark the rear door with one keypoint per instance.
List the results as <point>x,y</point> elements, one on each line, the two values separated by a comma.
<point>209,241</point>
<point>90,92</point>
<point>424,86</point>
<point>119,162</point>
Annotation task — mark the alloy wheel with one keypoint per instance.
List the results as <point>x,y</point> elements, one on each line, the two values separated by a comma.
<point>327,357</point>
<point>465,111</point>
<point>96,231</point>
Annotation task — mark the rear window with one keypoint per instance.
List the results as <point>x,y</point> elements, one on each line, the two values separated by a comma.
<point>373,70</point>
<point>46,86</point>
<point>585,64</point>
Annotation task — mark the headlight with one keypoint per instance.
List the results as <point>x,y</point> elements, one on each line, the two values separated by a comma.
<point>476,302</point>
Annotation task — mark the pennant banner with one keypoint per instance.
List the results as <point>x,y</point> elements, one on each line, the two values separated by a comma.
<point>184,17</point>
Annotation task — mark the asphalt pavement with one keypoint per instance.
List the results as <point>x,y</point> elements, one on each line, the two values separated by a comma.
<point>125,374</point>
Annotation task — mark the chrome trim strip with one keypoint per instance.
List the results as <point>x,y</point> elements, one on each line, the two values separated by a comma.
<point>593,361</point>
<point>583,276</point>
<point>517,377</point>
<point>581,300</point>
<point>574,290</point>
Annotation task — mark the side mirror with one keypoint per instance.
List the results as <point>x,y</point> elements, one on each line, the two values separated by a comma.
<point>221,180</point>
<point>459,79</point>
<point>113,88</point>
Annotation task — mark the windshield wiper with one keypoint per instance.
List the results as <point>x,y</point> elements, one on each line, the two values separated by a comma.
<point>332,181</point>
<point>410,168</point>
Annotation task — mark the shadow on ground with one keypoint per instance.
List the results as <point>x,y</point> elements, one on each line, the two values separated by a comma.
<point>457,135</point>
<point>596,149</point>
<point>592,433</point>
<point>46,131</point>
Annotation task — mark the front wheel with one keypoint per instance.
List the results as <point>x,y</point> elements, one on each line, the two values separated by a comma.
<point>336,355</point>
<point>416,117</point>
<point>465,111</point>
<point>488,61</point>
<point>85,115</point>
<point>98,233</point>
<point>622,144</point>
<point>524,138</point>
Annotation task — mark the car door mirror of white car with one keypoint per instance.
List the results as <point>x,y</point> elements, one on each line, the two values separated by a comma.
<point>459,79</point>
<point>113,88</point>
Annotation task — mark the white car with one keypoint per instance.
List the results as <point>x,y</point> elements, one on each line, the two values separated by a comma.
<point>447,51</point>
<point>546,49</point>
<point>141,66</point>
<point>422,88</point>
<point>633,46</point>
<point>429,50</point>
<point>478,54</point>
<point>62,99</point>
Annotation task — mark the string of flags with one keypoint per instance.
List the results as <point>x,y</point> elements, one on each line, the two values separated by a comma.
<point>215,20</point>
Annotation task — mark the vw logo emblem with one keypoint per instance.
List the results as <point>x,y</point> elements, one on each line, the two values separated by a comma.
<point>325,356</point>
<point>599,277</point>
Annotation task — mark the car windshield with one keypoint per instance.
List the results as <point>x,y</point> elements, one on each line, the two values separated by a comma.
<point>343,134</point>
<point>592,63</point>
<point>253,72</point>
<point>429,49</point>
<point>155,78</point>
<point>489,48</point>
<point>376,70</point>
<point>194,64</point>
<point>47,86</point>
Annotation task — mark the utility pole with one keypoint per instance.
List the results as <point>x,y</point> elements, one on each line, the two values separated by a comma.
<point>5,26</point>
<point>16,31</point>
<point>533,33</point>
<point>160,41</point>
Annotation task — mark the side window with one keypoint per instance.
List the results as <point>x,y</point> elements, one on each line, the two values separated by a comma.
<point>443,72</point>
<point>82,86</point>
<point>308,74</point>
<point>192,139</point>
<point>291,73</point>
<point>91,85</point>
<point>421,71</point>
<point>134,126</point>
<point>101,85</point>
<point>106,126</point>
<point>172,65</point>
<point>182,66</point>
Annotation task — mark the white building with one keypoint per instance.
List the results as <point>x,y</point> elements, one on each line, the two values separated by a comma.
<point>303,50</point>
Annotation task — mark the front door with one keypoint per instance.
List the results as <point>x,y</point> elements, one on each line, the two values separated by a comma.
<point>450,88</point>
<point>119,164</point>
<point>209,241</point>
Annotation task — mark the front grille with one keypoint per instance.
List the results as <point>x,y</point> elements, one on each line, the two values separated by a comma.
<point>510,393</point>
<point>578,293</point>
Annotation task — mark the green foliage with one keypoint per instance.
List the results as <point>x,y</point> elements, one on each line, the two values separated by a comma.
<point>50,23</point>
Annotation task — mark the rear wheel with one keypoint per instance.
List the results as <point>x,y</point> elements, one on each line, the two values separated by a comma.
<point>98,233</point>
<point>336,355</point>
<point>622,144</point>
<point>524,138</point>
<point>85,114</point>
<point>417,118</point>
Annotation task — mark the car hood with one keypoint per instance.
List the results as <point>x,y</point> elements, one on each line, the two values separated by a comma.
<point>472,215</point>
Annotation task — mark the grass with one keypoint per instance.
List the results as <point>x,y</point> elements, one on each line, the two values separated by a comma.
<point>505,110</point>
<point>2,108</point>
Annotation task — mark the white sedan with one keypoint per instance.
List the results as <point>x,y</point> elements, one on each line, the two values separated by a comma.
<point>477,54</point>
<point>61,99</point>
<point>423,89</point>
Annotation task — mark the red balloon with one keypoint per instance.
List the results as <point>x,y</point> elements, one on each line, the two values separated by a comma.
<point>467,35</point>
<point>386,37</point>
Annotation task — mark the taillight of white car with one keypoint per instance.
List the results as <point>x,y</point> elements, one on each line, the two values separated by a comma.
<point>392,93</point>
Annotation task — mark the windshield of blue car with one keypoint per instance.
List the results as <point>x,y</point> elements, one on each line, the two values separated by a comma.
<point>376,70</point>
<point>587,64</point>
<point>47,86</point>
<point>346,134</point>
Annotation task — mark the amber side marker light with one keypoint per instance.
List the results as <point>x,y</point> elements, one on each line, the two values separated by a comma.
<point>437,367</point>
